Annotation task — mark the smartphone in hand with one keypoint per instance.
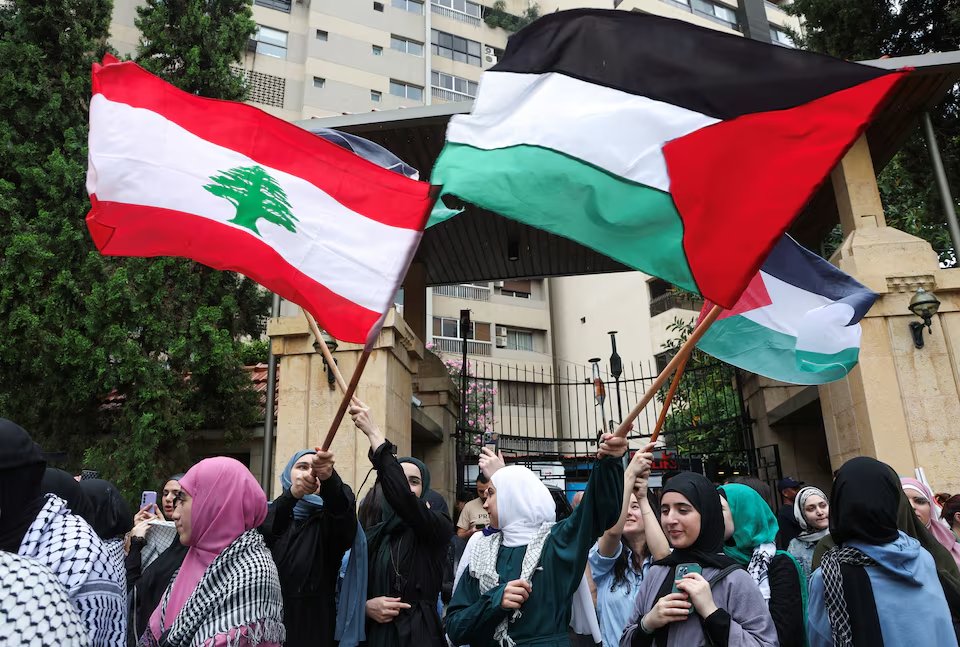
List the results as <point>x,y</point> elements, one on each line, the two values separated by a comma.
<point>148,500</point>
<point>683,569</point>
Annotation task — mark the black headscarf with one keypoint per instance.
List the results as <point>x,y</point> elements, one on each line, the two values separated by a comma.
<point>707,550</point>
<point>863,507</point>
<point>863,503</point>
<point>111,514</point>
<point>68,488</point>
<point>21,471</point>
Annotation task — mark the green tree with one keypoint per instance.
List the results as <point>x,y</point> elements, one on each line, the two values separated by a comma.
<point>256,194</point>
<point>705,416</point>
<point>118,362</point>
<point>870,29</point>
<point>196,44</point>
<point>497,16</point>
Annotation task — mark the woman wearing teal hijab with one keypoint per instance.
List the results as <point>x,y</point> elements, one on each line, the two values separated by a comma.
<point>750,539</point>
<point>407,550</point>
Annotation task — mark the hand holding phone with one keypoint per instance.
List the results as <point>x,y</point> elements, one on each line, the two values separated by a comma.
<point>682,571</point>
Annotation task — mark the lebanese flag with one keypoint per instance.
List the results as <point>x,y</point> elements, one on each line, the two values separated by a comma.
<point>229,186</point>
<point>677,150</point>
<point>797,321</point>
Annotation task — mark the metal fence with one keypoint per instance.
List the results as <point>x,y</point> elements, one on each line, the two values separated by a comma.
<point>541,413</point>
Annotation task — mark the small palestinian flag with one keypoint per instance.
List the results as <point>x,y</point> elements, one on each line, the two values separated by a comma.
<point>229,186</point>
<point>676,150</point>
<point>797,321</point>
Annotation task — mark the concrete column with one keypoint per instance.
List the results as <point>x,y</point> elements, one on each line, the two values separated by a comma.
<point>415,299</point>
<point>900,404</point>
<point>308,404</point>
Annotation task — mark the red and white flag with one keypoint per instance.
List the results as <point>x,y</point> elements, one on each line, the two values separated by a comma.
<point>229,186</point>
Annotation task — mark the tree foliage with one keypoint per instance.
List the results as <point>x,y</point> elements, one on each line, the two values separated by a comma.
<point>497,16</point>
<point>118,362</point>
<point>871,29</point>
<point>705,416</point>
<point>196,44</point>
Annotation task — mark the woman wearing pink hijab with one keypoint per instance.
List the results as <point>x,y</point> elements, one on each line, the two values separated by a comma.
<point>928,512</point>
<point>227,592</point>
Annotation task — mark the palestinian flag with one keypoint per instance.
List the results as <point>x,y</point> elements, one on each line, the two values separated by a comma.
<point>797,321</point>
<point>677,150</point>
<point>229,186</point>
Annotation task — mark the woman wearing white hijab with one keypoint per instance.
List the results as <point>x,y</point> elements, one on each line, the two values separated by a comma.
<point>517,584</point>
<point>812,511</point>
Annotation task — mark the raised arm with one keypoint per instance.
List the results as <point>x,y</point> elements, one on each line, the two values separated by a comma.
<point>638,468</point>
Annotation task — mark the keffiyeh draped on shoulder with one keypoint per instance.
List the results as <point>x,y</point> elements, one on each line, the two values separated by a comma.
<point>67,545</point>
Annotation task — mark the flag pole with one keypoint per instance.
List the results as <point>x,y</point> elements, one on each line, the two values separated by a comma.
<point>667,401</point>
<point>347,397</point>
<point>325,350</point>
<point>678,359</point>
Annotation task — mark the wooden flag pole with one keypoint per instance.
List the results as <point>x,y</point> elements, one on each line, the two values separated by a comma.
<point>678,359</point>
<point>347,397</point>
<point>325,351</point>
<point>667,401</point>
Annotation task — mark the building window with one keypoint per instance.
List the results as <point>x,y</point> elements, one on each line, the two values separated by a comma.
<point>377,50</point>
<point>322,35</point>
<point>459,88</point>
<point>518,339</point>
<point>718,12</point>
<point>279,5</point>
<point>517,289</point>
<point>714,11</point>
<point>456,48</point>
<point>406,90</point>
<point>319,82</point>
<point>523,394</point>
<point>662,359</point>
<point>378,6</point>
<point>375,96</point>
<point>413,6</point>
<point>406,45</point>
<point>450,328</point>
<point>463,6</point>
<point>780,37</point>
<point>271,42</point>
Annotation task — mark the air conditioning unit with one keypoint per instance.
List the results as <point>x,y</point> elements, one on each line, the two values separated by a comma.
<point>488,51</point>
<point>501,331</point>
<point>498,284</point>
<point>490,55</point>
<point>501,341</point>
<point>491,59</point>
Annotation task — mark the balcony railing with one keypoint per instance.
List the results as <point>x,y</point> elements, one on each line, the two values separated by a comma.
<point>453,14</point>
<point>279,5</point>
<point>449,95</point>
<point>671,300</point>
<point>471,292</point>
<point>452,345</point>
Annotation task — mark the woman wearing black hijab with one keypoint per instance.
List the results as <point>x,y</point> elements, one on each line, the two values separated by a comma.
<point>109,516</point>
<point>66,487</point>
<point>723,606</point>
<point>21,472</point>
<point>875,572</point>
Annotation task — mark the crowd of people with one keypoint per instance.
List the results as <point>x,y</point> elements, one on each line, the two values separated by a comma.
<point>215,564</point>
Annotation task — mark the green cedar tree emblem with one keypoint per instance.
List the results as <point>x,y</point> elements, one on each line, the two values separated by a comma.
<point>255,194</point>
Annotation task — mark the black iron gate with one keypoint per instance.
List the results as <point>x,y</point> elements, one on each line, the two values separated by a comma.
<point>550,418</point>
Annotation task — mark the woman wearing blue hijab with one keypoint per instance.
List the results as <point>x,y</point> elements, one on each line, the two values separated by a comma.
<point>308,529</point>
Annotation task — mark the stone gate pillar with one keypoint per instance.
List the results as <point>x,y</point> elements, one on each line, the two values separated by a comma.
<point>900,404</point>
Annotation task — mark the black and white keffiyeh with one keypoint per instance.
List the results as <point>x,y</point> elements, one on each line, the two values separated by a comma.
<point>68,546</point>
<point>34,608</point>
<point>834,599</point>
<point>483,566</point>
<point>238,597</point>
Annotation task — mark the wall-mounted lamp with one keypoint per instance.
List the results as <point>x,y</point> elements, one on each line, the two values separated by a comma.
<point>332,345</point>
<point>925,305</point>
